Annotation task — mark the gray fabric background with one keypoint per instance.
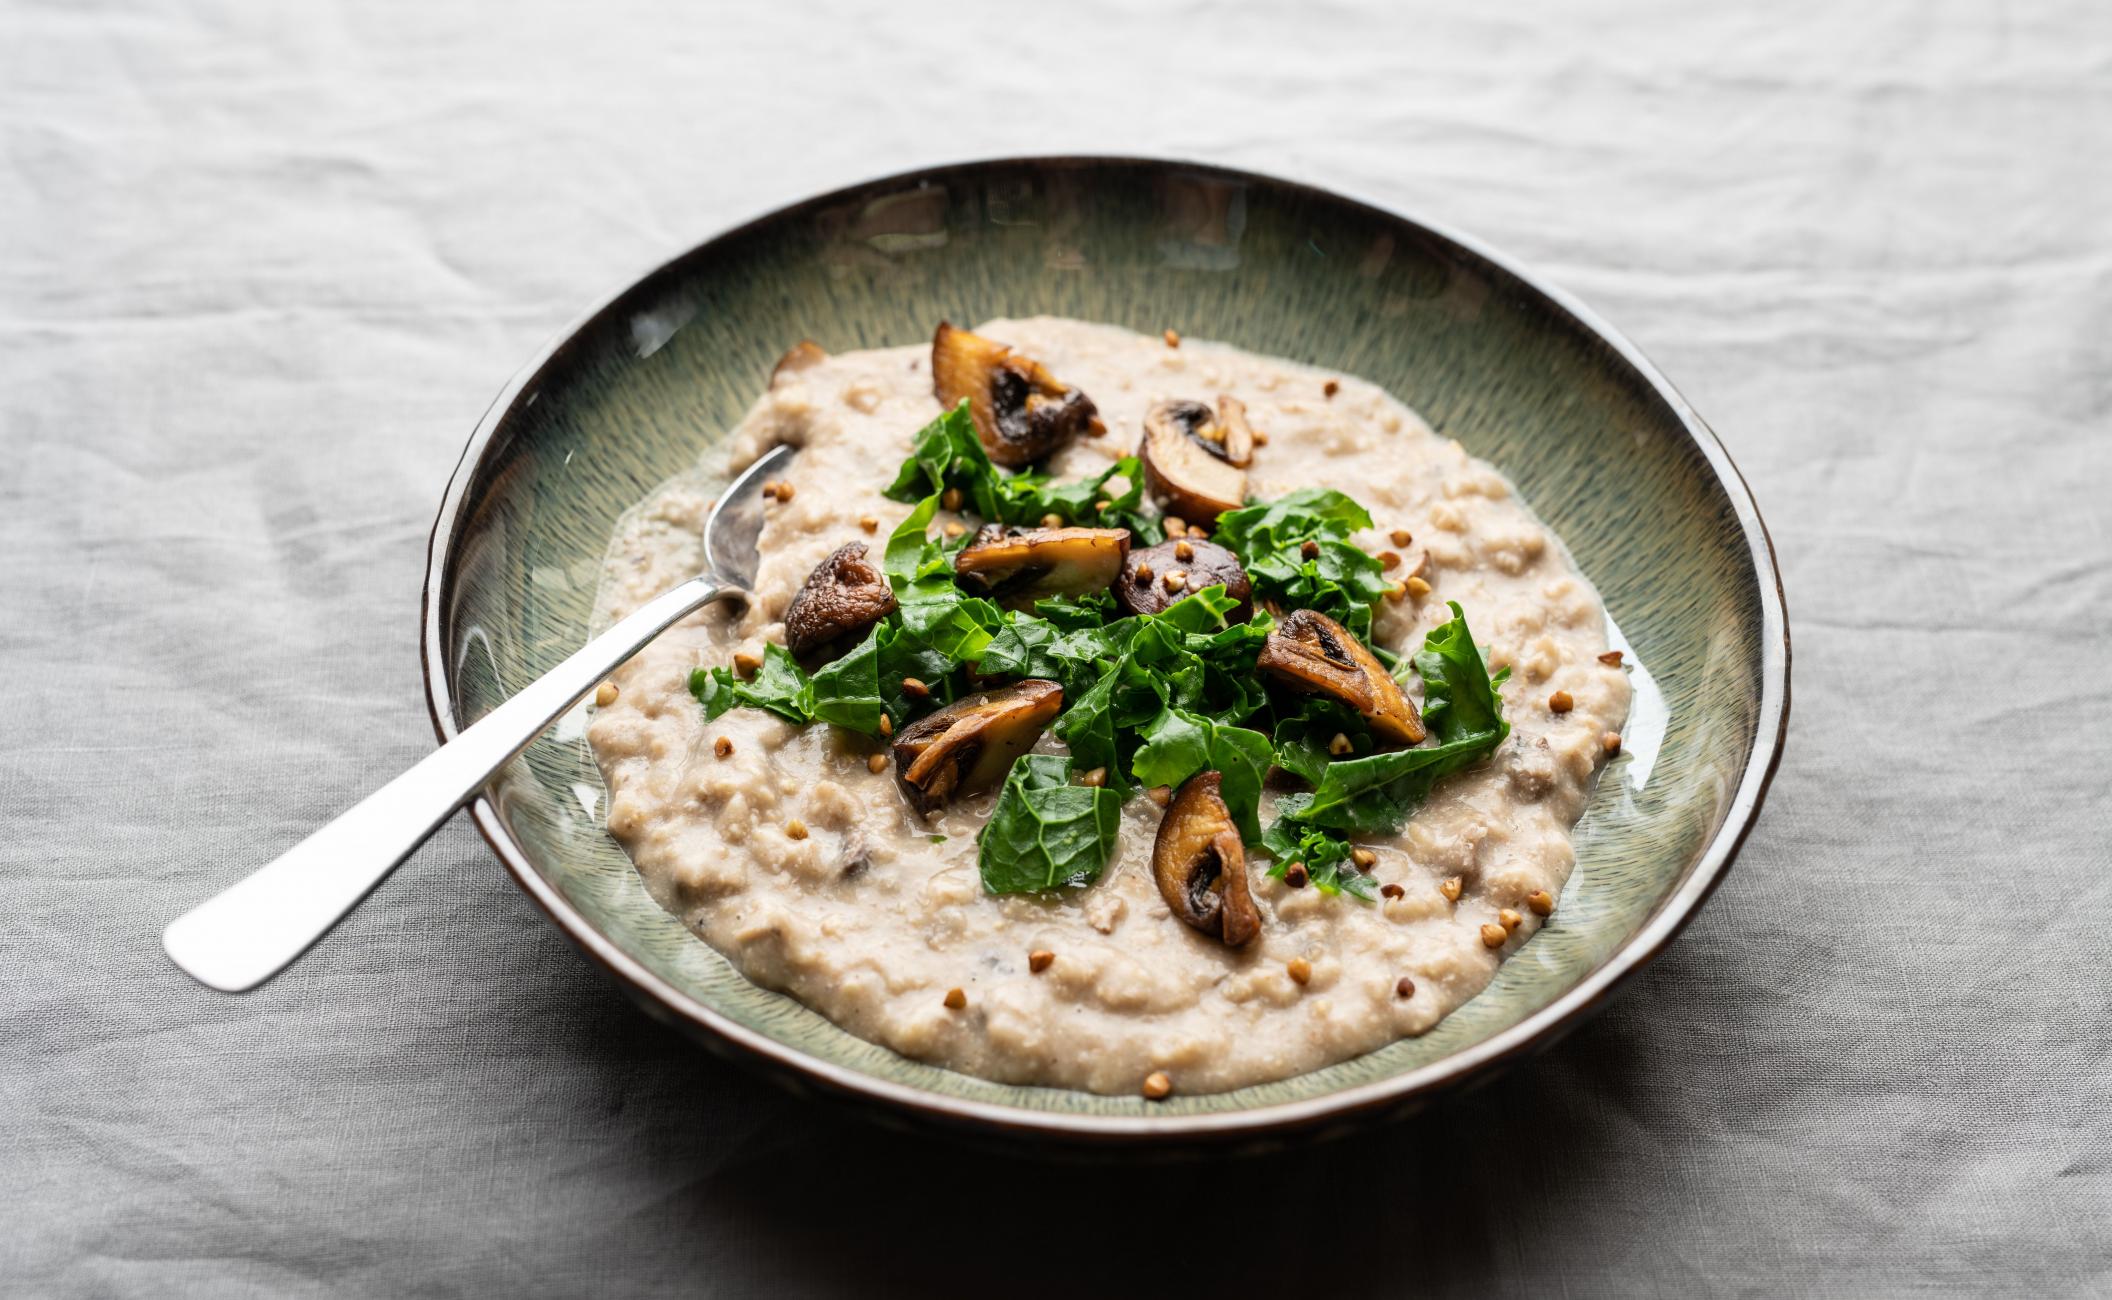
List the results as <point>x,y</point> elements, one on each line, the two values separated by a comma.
<point>262,266</point>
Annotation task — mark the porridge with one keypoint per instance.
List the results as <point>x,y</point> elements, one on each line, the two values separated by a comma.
<point>1188,772</point>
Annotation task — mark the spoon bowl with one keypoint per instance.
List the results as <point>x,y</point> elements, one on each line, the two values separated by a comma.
<point>736,521</point>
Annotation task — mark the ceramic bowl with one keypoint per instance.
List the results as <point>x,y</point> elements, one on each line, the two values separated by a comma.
<point>1526,377</point>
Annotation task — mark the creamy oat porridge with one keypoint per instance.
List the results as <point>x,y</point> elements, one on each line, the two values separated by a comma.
<point>1227,843</point>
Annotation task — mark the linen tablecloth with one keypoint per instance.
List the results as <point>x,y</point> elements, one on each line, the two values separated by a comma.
<point>262,266</point>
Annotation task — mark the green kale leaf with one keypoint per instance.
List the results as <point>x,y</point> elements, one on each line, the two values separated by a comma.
<point>846,691</point>
<point>936,627</point>
<point>1325,857</point>
<point>779,686</point>
<point>1046,832</point>
<point>1338,579</point>
<point>1178,744</point>
<point>1186,657</point>
<point>1029,498</point>
<point>1460,698</point>
<point>947,453</point>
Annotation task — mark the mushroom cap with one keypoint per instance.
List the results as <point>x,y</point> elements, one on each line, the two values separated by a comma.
<point>1201,865</point>
<point>1207,565</point>
<point>843,597</point>
<point>969,745</point>
<point>1023,563</point>
<point>1187,471</point>
<point>1311,652</point>
<point>1022,413</point>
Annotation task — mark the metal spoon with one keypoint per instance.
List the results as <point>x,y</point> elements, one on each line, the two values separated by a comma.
<point>252,930</point>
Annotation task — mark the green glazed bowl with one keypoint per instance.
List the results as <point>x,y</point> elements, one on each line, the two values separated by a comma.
<point>1527,378</point>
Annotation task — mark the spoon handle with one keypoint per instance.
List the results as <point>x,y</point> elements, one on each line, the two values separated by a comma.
<point>253,929</point>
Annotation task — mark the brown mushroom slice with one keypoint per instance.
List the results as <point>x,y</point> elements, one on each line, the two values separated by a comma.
<point>1020,563</point>
<point>1143,590</point>
<point>1313,653</point>
<point>1201,866</point>
<point>1184,464</point>
<point>969,745</point>
<point>1022,413</point>
<point>803,355</point>
<point>842,598</point>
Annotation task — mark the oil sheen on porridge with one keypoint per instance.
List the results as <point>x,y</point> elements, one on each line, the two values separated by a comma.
<point>784,850</point>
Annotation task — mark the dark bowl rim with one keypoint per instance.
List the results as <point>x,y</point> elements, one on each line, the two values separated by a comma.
<point>1347,1106</point>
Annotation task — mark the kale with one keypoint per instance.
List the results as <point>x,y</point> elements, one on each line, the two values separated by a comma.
<point>778,686</point>
<point>1046,832</point>
<point>1186,657</point>
<point>947,454</point>
<point>932,611</point>
<point>1325,858</point>
<point>1032,497</point>
<point>1297,553</point>
<point>1178,744</point>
